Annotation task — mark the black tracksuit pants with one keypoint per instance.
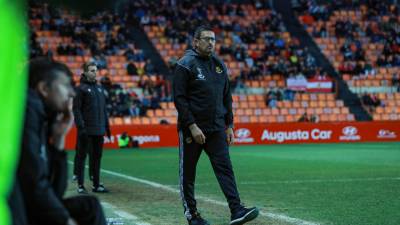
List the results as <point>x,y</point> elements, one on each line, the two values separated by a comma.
<point>92,145</point>
<point>76,159</point>
<point>216,147</point>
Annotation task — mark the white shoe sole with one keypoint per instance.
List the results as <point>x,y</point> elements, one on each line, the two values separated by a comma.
<point>251,215</point>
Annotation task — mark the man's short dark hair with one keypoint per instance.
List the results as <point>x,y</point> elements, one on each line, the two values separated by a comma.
<point>86,66</point>
<point>197,32</point>
<point>43,69</point>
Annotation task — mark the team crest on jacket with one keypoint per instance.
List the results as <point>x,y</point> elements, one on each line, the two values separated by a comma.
<point>200,75</point>
<point>218,69</point>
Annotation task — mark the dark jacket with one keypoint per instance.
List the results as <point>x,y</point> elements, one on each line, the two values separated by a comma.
<point>16,205</point>
<point>89,108</point>
<point>42,170</point>
<point>202,93</point>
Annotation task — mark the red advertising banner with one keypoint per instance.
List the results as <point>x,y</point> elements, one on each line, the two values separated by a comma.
<point>277,133</point>
<point>319,85</point>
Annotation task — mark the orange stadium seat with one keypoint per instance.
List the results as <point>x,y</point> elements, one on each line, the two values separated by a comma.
<point>248,112</point>
<point>254,119</point>
<point>159,113</point>
<point>154,120</point>
<point>274,111</point>
<point>344,110</point>
<point>284,111</point>
<point>127,120</point>
<point>145,121</point>
<point>118,121</point>
<point>252,104</point>
<point>266,112</point>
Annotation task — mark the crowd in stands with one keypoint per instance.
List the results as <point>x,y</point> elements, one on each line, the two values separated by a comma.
<point>372,22</point>
<point>274,52</point>
<point>252,49</point>
<point>371,101</point>
<point>274,95</point>
<point>97,38</point>
<point>362,40</point>
<point>258,50</point>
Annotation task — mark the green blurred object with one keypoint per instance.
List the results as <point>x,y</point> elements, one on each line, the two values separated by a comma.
<point>13,58</point>
<point>123,141</point>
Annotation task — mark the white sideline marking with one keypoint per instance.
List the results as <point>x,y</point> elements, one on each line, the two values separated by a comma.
<point>124,215</point>
<point>343,180</point>
<point>276,216</point>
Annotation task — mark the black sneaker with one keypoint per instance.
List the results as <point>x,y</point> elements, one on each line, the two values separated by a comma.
<point>197,220</point>
<point>100,189</point>
<point>81,189</point>
<point>244,215</point>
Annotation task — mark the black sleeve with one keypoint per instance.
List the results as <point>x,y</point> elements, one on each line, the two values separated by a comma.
<point>58,168</point>
<point>106,113</point>
<point>180,86</point>
<point>228,103</point>
<point>40,198</point>
<point>77,107</point>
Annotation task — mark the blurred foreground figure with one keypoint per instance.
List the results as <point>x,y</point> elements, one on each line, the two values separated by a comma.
<point>42,170</point>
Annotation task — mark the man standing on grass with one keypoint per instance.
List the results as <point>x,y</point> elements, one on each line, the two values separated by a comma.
<point>205,122</point>
<point>92,122</point>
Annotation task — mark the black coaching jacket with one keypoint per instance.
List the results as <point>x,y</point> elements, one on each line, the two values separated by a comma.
<point>89,108</point>
<point>42,170</point>
<point>202,92</point>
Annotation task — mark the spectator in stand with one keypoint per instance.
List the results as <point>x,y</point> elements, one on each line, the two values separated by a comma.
<point>145,105</point>
<point>130,52</point>
<point>366,100</point>
<point>131,69</point>
<point>139,55</point>
<point>396,81</point>
<point>368,69</point>
<point>304,118</point>
<point>272,98</point>
<point>314,118</point>
<point>149,68</point>
<point>155,101</point>
<point>135,105</point>
<point>288,94</point>
<point>376,101</point>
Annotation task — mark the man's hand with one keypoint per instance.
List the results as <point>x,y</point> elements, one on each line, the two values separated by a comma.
<point>61,126</point>
<point>71,222</point>
<point>230,137</point>
<point>197,134</point>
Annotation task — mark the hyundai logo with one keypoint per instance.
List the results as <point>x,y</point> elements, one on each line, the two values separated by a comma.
<point>349,131</point>
<point>383,132</point>
<point>242,133</point>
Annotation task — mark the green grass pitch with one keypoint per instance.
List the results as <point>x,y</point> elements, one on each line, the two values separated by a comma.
<point>341,184</point>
